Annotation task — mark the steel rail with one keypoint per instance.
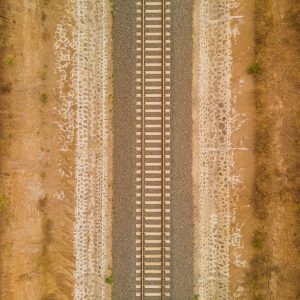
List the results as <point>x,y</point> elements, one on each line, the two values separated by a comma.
<point>143,127</point>
<point>163,157</point>
<point>163,146</point>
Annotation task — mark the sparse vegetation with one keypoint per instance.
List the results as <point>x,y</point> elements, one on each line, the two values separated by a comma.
<point>273,185</point>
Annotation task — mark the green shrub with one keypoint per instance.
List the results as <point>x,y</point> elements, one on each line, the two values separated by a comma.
<point>4,203</point>
<point>255,69</point>
<point>108,279</point>
<point>9,59</point>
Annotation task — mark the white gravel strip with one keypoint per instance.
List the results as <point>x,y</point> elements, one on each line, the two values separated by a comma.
<point>215,133</point>
<point>82,50</point>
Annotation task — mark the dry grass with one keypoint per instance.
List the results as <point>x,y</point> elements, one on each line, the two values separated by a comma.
<point>272,181</point>
<point>294,16</point>
<point>263,26</point>
<point>44,260</point>
<point>258,274</point>
<point>263,21</point>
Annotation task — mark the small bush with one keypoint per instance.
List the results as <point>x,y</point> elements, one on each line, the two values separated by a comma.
<point>9,60</point>
<point>4,203</point>
<point>255,69</point>
<point>108,279</point>
<point>44,98</point>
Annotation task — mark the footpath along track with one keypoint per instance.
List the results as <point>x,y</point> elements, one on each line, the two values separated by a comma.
<point>153,150</point>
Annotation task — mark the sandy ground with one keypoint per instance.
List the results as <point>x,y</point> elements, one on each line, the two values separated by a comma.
<point>37,228</point>
<point>38,149</point>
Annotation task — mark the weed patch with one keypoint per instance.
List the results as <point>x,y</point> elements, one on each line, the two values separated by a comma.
<point>108,279</point>
<point>9,60</point>
<point>258,239</point>
<point>255,69</point>
<point>44,98</point>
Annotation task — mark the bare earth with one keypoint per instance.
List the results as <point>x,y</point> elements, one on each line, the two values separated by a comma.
<point>277,159</point>
<point>37,227</point>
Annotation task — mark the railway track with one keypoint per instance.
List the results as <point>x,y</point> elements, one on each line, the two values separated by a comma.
<point>153,150</point>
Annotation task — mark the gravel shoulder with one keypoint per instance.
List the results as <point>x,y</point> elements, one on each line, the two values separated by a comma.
<point>124,44</point>
<point>181,151</point>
